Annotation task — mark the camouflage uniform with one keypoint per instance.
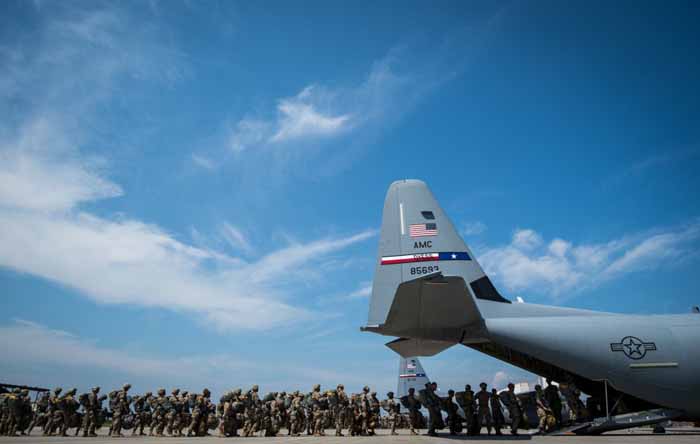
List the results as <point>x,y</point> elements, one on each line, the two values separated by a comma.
<point>483,411</point>
<point>466,401</point>
<point>53,413</point>
<point>514,409</point>
<point>121,409</point>
<point>142,412</point>
<point>160,409</point>
<point>393,410</point>
<point>543,410</point>
<point>67,407</point>
<point>432,403</point>
<point>341,409</point>
<point>453,420</point>
<point>199,413</point>
<point>172,417</point>
<point>296,416</point>
<point>552,395</point>
<point>413,405</point>
<point>40,416</point>
<point>496,411</point>
<point>12,412</point>
<point>91,411</point>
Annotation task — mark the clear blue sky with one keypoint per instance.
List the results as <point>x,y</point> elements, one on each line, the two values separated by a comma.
<point>190,191</point>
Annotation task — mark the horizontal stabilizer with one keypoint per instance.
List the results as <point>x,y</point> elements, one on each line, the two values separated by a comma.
<point>418,347</point>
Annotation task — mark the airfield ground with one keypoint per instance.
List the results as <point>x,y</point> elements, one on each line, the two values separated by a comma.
<point>642,435</point>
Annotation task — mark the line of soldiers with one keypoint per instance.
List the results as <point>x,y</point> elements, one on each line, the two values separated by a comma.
<point>240,413</point>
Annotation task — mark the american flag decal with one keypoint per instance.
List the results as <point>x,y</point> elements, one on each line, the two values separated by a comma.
<point>420,230</point>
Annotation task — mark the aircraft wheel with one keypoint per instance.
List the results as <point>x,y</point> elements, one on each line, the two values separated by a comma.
<point>659,429</point>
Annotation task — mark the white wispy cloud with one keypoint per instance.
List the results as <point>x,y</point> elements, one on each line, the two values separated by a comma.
<point>299,117</point>
<point>318,113</point>
<point>46,180</point>
<point>363,292</point>
<point>559,266</point>
<point>473,228</point>
<point>235,237</point>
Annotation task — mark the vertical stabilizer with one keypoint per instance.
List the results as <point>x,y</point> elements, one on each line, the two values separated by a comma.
<point>411,374</point>
<point>421,255</point>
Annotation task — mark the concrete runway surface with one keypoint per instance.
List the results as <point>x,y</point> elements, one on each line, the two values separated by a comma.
<point>643,435</point>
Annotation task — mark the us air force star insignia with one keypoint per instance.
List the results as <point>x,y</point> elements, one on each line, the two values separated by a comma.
<point>454,256</point>
<point>633,347</point>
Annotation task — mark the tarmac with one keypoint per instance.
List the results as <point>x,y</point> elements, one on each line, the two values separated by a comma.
<point>640,435</point>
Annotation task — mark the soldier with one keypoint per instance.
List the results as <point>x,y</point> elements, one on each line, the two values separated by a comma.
<point>432,403</point>
<point>341,408</point>
<point>543,410</point>
<point>199,413</point>
<point>467,403</point>
<point>12,412</point>
<point>159,406</point>
<point>67,407</point>
<point>365,411</point>
<point>515,411</point>
<point>551,393</point>
<point>296,415</point>
<point>497,412</point>
<point>40,416</point>
<point>172,417</point>
<point>393,410</point>
<point>309,408</point>
<point>375,413</point>
<point>413,405</point>
<point>187,401</point>
<point>53,413</point>
<point>91,410</point>
<point>120,410</point>
<point>453,420</point>
<point>483,412</point>
<point>142,412</point>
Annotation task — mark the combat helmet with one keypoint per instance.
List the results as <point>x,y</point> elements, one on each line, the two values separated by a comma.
<point>317,387</point>
<point>72,392</point>
<point>340,387</point>
<point>95,389</point>
<point>57,391</point>
<point>175,392</point>
<point>161,392</point>
<point>147,395</point>
<point>206,393</point>
<point>237,392</point>
<point>255,388</point>
<point>365,389</point>
<point>482,385</point>
<point>390,395</point>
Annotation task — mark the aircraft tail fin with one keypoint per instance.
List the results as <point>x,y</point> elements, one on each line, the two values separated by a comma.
<point>426,277</point>
<point>411,375</point>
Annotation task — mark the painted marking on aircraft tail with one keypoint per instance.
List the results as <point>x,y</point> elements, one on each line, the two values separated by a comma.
<point>426,257</point>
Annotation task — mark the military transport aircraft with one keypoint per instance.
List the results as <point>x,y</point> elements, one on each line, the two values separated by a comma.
<point>431,293</point>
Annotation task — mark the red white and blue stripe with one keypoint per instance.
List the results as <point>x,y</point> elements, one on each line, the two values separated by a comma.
<point>426,257</point>
<point>413,375</point>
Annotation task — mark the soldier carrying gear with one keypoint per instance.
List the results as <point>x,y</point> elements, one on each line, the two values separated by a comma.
<point>552,395</point>
<point>172,416</point>
<point>411,402</point>
<point>484,413</point>
<point>496,411</point>
<point>511,401</point>
<point>68,406</point>
<point>544,413</point>
<point>53,413</point>
<point>341,409</point>
<point>92,410</point>
<point>393,409</point>
<point>160,409</point>
<point>40,418</point>
<point>453,420</point>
